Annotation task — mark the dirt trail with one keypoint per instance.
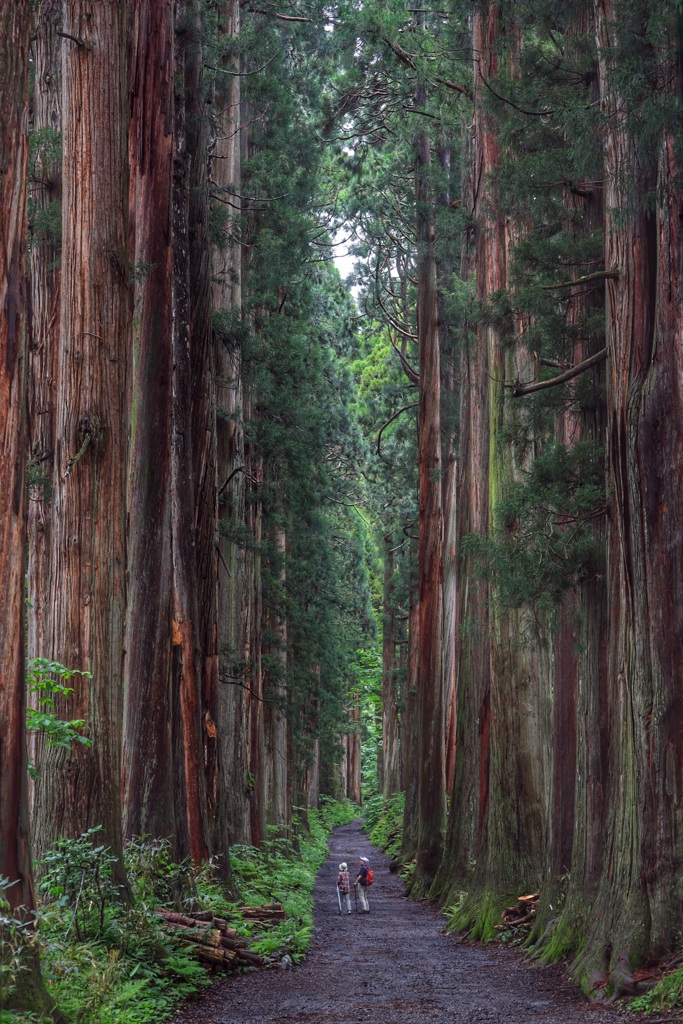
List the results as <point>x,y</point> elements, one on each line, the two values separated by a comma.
<point>392,966</point>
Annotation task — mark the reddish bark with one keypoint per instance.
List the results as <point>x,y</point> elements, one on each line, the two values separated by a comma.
<point>410,725</point>
<point>15,856</point>
<point>203,426</point>
<point>390,750</point>
<point>275,768</point>
<point>431,751</point>
<point>80,788</point>
<point>46,190</point>
<point>470,794</point>
<point>148,803</point>
<point>450,593</point>
<point>190,785</point>
<point>637,912</point>
<point>353,790</point>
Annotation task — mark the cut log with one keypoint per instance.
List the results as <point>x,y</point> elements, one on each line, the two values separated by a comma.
<point>175,918</point>
<point>249,957</point>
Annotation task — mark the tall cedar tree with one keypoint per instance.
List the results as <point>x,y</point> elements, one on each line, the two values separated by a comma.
<point>80,788</point>
<point>28,992</point>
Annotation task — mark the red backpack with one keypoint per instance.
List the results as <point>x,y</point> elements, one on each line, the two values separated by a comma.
<point>370,877</point>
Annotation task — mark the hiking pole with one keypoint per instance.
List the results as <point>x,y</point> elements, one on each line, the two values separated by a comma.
<point>339,898</point>
<point>355,893</point>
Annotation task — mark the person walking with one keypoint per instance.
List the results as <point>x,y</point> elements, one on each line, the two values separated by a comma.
<point>361,885</point>
<point>344,886</point>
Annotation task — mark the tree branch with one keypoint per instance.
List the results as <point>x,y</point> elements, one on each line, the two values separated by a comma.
<point>74,39</point>
<point>275,14</point>
<point>518,390</point>
<point>391,420</point>
<point>235,471</point>
<point>504,99</point>
<point>412,375</point>
<point>599,275</point>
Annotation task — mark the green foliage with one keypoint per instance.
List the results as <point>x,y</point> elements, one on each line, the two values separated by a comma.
<point>38,481</point>
<point>77,882</point>
<point>106,963</point>
<point>46,680</point>
<point>477,915</point>
<point>367,672</point>
<point>17,938</point>
<point>384,822</point>
<point>284,870</point>
<point>667,994</point>
<point>544,543</point>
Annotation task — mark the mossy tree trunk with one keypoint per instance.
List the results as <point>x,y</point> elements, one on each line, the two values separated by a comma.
<point>637,912</point>
<point>483,249</point>
<point>431,802</point>
<point>226,173</point>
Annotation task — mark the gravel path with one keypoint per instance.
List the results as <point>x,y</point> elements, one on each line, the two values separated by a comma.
<point>393,966</point>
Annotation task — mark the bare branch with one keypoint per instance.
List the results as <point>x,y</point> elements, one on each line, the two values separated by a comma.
<point>238,469</point>
<point>391,419</point>
<point>518,390</point>
<point>599,275</point>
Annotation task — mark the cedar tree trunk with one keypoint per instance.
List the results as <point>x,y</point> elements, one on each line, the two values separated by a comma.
<point>148,803</point>
<point>79,789</point>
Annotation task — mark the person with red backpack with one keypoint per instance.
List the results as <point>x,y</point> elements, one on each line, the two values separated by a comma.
<point>366,877</point>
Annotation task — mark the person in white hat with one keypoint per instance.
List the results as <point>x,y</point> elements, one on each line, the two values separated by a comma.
<point>344,885</point>
<point>361,885</point>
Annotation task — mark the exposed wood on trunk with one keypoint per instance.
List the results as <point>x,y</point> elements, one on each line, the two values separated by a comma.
<point>353,789</point>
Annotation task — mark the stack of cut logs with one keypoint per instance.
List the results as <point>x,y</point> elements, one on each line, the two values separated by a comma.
<point>523,912</point>
<point>211,938</point>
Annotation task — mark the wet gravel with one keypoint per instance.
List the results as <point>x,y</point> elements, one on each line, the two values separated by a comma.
<point>394,965</point>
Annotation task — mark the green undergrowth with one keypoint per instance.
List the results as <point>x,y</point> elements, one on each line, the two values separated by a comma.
<point>477,916</point>
<point>667,994</point>
<point>105,962</point>
<point>383,821</point>
<point>284,870</point>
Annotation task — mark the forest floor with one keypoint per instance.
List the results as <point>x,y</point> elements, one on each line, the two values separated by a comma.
<point>394,965</point>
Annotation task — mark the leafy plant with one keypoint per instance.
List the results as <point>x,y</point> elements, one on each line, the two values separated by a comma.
<point>77,880</point>
<point>16,935</point>
<point>41,681</point>
<point>667,994</point>
<point>386,830</point>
